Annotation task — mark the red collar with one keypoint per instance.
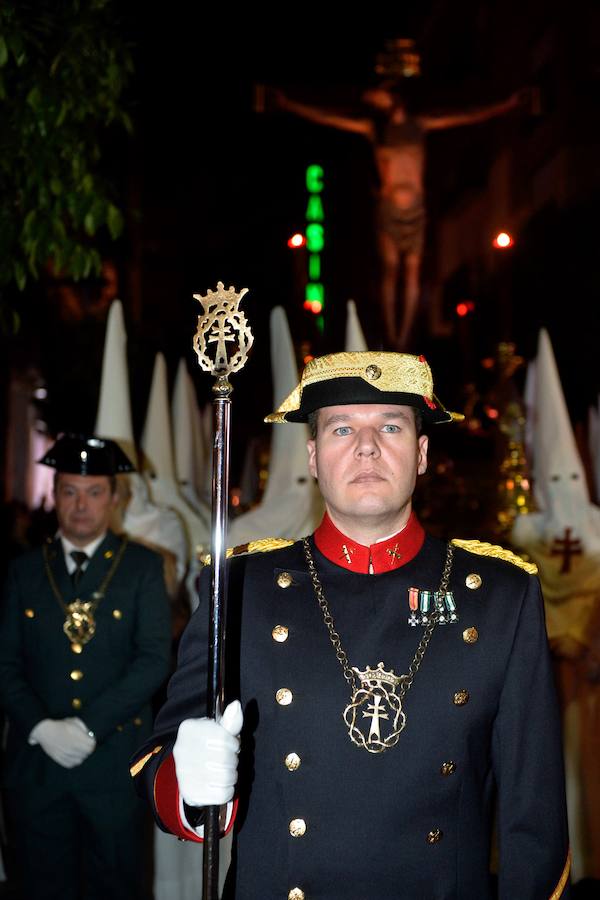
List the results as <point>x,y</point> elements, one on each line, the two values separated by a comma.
<point>384,556</point>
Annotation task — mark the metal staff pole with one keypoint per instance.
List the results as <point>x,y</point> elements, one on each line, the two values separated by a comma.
<point>224,326</point>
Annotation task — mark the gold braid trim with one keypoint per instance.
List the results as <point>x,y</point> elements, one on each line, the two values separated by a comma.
<point>261,546</point>
<point>383,370</point>
<point>137,767</point>
<point>484,549</point>
<point>557,892</point>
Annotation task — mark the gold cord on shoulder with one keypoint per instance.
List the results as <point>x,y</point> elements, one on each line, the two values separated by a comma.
<point>263,545</point>
<point>481,548</point>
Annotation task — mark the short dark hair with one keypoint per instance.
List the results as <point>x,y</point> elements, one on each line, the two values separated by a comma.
<point>313,422</point>
<point>112,480</point>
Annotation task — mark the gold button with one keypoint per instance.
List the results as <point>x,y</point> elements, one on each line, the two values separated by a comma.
<point>284,580</point>
<point>137,721</point>
<point>297,827</point>
<point>296,894</point>
<point>448,768</point>
<point>76,648</point>
<point>461,697</point>
<point>117,614</point>
<point>292,761</point>
<point>284,696</point>
<point>473,581</point>
<point>76,703</point>
<point>280,634</point>
<point>76,674</point>
<point>470,635</point>
<point>108,554</point>
<point>119,728</point>
<point>373,372</point>
<point>30,613</point>
<point>434,836</point>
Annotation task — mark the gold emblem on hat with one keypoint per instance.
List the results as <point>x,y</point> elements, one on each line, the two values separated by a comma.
<point>373,372</point>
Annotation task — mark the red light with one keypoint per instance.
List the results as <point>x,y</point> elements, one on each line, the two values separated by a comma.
<point>297,240</point>
<point>464,307</point>
<point>307,359</point>
<point>503,240</point>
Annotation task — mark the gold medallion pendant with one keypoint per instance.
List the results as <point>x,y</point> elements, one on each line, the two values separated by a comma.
<point>80,625</point>
<point>377,700</point>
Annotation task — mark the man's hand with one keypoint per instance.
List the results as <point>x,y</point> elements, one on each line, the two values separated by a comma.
<point>64,740</point>
<point>206,757</point>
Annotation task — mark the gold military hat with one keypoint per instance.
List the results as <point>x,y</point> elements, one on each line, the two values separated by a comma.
<point>342,379</point>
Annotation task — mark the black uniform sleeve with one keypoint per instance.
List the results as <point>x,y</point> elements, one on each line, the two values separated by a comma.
<point>528,765</point>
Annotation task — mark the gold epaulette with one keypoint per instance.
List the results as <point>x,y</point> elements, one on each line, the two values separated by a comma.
<point>261,546</point>
<point>484,549</point>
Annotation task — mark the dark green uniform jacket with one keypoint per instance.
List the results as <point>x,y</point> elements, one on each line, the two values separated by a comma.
<point>108,685</point>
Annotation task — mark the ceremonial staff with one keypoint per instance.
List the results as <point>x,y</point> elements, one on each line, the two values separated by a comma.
<point>223,326</point>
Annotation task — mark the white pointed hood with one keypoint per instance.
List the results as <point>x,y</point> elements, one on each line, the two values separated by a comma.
<point>188,438</point>
<point>113,419</point>
<point>594,445</point>
<point>159,463</point>
<point>559,482</point>
<point>142,518</point>
<point>355,339</point>
<point>291,506</point>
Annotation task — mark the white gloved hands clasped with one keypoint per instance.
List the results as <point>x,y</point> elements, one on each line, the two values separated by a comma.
<point>66,741</point>
<point>206,757</point>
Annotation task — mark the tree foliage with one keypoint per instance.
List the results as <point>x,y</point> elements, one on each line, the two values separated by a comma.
<point>64,65</point>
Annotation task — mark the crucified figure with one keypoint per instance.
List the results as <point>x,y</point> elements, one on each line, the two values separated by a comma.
<point>398,141</point>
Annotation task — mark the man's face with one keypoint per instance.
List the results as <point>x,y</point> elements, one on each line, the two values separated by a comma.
<point>83,506</point>
<point>366,459</point>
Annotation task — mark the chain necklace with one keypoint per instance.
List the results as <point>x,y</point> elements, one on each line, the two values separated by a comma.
<point>374,690</point>
<point>80,625</point>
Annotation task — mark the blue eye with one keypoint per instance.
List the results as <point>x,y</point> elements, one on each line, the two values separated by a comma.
<point>343,430</point>
<point>390,429</point>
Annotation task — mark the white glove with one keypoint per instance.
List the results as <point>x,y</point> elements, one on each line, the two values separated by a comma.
<point>206,757</point>
<point>66,741</point>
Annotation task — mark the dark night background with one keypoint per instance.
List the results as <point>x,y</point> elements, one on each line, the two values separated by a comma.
<point>212,190</point>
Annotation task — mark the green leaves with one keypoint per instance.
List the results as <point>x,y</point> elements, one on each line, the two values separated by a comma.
<point>64,68</point>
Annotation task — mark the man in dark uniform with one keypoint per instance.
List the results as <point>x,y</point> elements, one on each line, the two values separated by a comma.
<point>396,689</point>
<point>84,645</point>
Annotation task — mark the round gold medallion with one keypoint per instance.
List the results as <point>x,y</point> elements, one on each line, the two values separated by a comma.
<point>470,635</point>
<point>284,696</point>
<point>373,372</point>
<point>284,580</point>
